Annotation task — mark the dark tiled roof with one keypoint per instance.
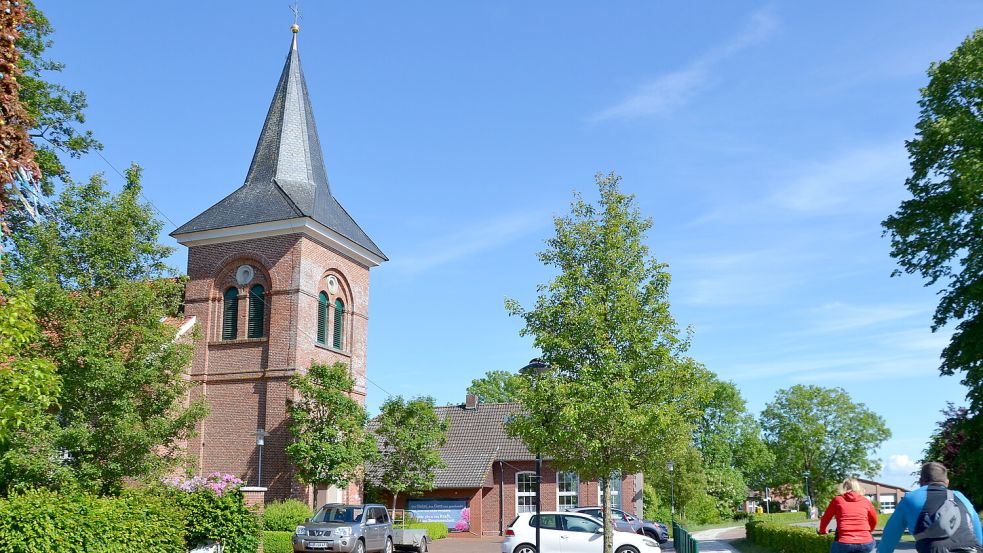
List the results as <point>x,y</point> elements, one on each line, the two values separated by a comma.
<point>286,178</point>
<point>475,439</point>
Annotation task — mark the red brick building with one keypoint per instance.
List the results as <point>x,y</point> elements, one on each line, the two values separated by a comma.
<point>493,474</point>
<point>278,276</point>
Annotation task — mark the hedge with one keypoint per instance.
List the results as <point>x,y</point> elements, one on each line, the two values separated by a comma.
<point>796,516</point>
<point>436,530</point>
<point>787,539</point>
<point>41,521</point>
<point>285,516</point>
<point>277,542</point>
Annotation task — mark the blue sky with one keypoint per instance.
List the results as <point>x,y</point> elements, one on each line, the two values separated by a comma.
<point>764,139</point>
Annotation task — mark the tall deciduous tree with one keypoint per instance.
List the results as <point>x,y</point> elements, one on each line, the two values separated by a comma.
<point>616,358</point>
<point>937,232</point>
<point>330,442</point>
<point>495,387</point>
<point>410,435</point>
<point>822,432</point>
<point>956,443</point>
<point>103,294</point>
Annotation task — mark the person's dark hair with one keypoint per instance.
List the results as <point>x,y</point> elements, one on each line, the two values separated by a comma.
<point>934,472</point>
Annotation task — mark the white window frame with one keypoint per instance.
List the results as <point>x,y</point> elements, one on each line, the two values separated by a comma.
<point>615,494</point>
<point>519,494</point>
<point>575,493</point>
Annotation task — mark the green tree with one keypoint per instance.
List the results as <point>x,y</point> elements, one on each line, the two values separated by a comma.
<point>410,435</point>
<point>103,295</point>
<point>956,443</point>
<point>734,453</point>
<point>330,442</point>
<point>615,356</point>
<point>29,384</point>
<point>822,432</point>
<point>495,387</point>
<point>97,270</point>
<point>43,119</point>
<point>936,233</point>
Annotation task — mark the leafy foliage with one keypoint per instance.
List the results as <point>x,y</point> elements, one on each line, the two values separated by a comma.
<point>782,538</point>
<point>823,432</point>
<point>410,435</point>
<point>956,443</point>
<point>278,542</point>
<point>285,516</point>
<point>97,270</point>
<point>28,382</point>
<point>224,518</point>
<point>330,440</point>
<point>936,233</point>
<point>495,387</point>
<point>42,521</point>
<point>615,356</point>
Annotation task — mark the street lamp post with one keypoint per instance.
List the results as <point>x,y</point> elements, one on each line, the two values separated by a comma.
<point>808,495</point>
<point>537,367</point>
<point>672,489</point>
<point>260,441</point>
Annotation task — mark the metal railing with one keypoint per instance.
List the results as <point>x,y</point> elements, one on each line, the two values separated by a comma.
<point>682,541</point>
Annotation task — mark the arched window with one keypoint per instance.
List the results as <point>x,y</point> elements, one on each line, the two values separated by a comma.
<point>230,314</point>
<point>322,318</point>
<point>339,313</point>
<point>257,312</point>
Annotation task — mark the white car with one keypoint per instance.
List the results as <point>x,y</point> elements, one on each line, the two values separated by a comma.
<point>569,533</point>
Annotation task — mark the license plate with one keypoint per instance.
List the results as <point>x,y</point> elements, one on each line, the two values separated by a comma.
<point>317,545</point>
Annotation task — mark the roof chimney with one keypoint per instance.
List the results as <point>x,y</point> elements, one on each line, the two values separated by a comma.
<point>471,402</point>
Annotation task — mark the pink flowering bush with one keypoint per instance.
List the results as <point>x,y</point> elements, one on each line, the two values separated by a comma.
<point>464,523</point>
<point>216,512</point>
<point>217,482</point>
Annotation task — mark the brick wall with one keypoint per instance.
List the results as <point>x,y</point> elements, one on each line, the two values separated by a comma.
<point>245,381</point>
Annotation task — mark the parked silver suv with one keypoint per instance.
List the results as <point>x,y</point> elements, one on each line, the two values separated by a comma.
<point>346,528</point>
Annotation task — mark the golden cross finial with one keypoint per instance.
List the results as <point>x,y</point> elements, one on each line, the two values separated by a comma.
<point>295,7</point>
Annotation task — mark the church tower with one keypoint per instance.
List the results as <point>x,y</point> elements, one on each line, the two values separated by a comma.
<point>278,276</point>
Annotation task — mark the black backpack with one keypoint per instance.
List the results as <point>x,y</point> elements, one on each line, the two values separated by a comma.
<point>944,525</point>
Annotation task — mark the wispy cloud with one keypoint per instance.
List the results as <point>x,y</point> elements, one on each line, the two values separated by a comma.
<point>464,242</point>
<point>751,277</point>
<point>668,92</point>
<point>899,470</point>
<point>838,317</point>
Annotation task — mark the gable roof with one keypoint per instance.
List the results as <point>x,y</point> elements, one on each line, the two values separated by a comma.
<point>475,439</point>
<point>286,178</point>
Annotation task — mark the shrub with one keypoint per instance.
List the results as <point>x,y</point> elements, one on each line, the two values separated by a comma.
<point>285,516</point>
<point>436,530</point>
<point>73,521</point>
<point>216,512</point>
<point>702,509</point>
<point>780,518</point>
<point>277,542</point>
<point>787,539</point>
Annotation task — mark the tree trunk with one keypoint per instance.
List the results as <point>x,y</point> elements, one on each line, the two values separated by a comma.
<point>606,510</point>
<point>392,514</point>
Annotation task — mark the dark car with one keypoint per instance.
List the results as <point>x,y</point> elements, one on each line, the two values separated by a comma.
<point>625,522</point>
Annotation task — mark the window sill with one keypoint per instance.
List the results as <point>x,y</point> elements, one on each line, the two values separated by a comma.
<point>326,347</point>
<point>239,341</point>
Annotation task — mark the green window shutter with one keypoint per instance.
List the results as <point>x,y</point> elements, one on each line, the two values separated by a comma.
<point>257,311</point>
<point>339,312</point>
<point>230,314</point>
<point>322,318</point>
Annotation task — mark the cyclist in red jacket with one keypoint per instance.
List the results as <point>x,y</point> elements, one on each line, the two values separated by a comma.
<point>855,519</point>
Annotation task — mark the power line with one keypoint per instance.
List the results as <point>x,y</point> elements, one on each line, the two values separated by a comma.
<point>142,195</point>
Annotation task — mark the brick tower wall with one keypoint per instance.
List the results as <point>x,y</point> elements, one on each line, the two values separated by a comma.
<point>245,381</point>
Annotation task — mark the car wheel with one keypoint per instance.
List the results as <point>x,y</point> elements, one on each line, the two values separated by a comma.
<point>525,548</point>
<point>423,546</point>
<point>651,535</point>
<point>389,545</point>
<point>359,547</point>
<point>626,549</point>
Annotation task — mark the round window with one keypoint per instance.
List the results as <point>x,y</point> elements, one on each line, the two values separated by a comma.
<point>332,284</point>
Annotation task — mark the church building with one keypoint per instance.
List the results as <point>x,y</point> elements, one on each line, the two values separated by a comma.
<point>278,276</point>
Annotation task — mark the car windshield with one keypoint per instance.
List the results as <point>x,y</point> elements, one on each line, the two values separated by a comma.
<point>338,513</point>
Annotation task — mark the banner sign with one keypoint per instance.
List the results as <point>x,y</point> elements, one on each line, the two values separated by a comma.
<point>452,512</point>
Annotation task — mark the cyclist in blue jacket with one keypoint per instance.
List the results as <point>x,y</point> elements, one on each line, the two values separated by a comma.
<point>942,520</point>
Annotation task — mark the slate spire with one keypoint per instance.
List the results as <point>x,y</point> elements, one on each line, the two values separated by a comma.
<point>286,178</point>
